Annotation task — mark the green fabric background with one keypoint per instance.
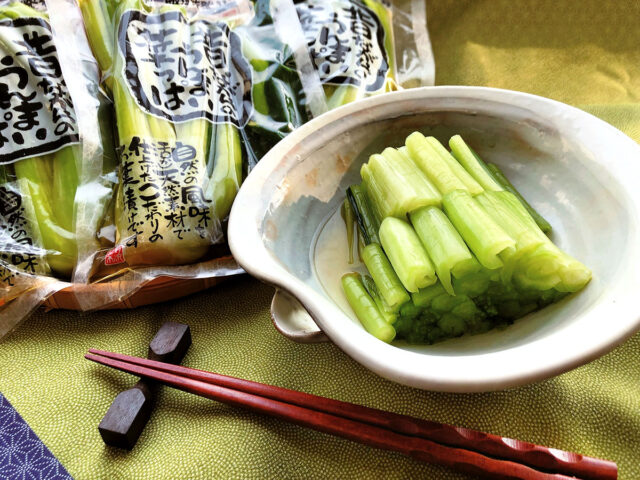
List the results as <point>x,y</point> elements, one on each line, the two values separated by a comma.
<point>583,53</point>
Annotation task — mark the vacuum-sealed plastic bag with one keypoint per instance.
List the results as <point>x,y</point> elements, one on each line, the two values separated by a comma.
<point>120,162</point>
<point>414,63</point>
<point>181,92</point>
<point>201,90</point>
<point>45,113</point>
<point>310,56</point>
<point>281,102</point>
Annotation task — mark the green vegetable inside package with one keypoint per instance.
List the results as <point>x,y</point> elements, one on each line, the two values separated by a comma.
<point>202,90</point>
<point>452,247</point>
<point>181,94</point>
<point>312,56</point>
<point>38,150</point>
<point>279,98</point>
<point>351,45</point>
<point>41,154</point>
<point>121,154</point>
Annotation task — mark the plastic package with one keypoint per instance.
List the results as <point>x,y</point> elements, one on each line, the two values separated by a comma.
<point>201,91</point>
<point>181,96</point>
<point>174,103</point>
<point>314,55</point>
<point>48,142</point>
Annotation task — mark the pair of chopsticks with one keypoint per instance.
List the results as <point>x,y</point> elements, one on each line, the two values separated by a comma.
<point>465,450</point>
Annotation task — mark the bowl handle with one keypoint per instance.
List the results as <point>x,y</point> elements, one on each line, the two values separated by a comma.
<point>293,321</point>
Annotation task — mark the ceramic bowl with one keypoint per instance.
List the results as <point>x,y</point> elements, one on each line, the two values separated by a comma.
<point>579,172</point>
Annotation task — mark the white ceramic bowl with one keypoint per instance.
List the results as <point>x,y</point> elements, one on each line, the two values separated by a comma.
<point>579,172</point>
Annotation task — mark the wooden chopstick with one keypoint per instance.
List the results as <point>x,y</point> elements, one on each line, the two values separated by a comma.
<point>411,436</point>
<point>529,454</point>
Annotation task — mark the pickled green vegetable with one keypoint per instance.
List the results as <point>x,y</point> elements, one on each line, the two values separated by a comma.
<point>474,261</point>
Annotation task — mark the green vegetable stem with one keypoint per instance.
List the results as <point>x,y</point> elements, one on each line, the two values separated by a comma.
<point>366,309</point>
<point>47,183</point>
<point>506,184</point>
<point>385,277</point>
<point>406,253</point>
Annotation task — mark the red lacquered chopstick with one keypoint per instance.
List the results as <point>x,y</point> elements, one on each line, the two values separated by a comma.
<point>418,448</point>
<point>535,456</point>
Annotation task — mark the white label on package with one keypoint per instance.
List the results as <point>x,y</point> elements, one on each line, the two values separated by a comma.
<point>346,42</point>
<point>181,70</point>
<point>36,111</point>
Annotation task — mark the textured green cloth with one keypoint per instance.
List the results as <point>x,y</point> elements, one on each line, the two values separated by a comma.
<point>584,53</point>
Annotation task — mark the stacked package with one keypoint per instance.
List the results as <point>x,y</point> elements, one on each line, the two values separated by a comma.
<point>121,153</point>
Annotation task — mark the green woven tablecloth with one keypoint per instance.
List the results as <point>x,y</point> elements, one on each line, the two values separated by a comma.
<point>583,53</point>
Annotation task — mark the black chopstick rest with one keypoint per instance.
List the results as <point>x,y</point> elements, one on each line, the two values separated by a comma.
<point>128,414</point>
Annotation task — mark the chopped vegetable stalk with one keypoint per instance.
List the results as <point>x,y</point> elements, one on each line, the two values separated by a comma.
<point>574,276</point>
<point>466,267</point>
<point>432,165</point>
<point>406,253</point>
<point>396,185</point>
<point>361,246</point>
<point>474,187</point>
<point>483,235</point>
<point>443,243</point>
<point>424,296</point>
<point>472,284</point>
<point>519,227</point>
<point>473,164</point>
<point>537,263</point>
<point>376,193</point>
<point>537,269</point>
<point>385,310</point>
<point>505,204</point>
<point>346,212</point>
<point>492,261</point>
<point>384,276</point>
<point>506,184</point>
<point>388,284</point>
<point>365,308</point>
<point>367,221</point>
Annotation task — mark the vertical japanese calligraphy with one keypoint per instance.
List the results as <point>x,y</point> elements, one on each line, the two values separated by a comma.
<point>183,90</point>
<point>183,70</point>
<point>346,42</point>
<point>36,111</point>
<point>19,243</point>
<point>162,192</point>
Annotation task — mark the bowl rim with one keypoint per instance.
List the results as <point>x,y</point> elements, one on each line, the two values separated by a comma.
<point>413,368</point>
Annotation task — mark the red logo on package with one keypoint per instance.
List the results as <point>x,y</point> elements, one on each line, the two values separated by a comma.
<point>114,256</point>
